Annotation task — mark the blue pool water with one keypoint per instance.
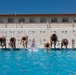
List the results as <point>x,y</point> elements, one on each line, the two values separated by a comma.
<point>41,62</point>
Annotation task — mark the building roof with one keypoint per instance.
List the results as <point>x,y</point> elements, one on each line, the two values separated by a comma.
<point>9,15</point>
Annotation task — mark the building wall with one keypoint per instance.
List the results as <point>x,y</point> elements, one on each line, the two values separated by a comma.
<point>40,31</point>
<point>40,35</point>
<point>38,25</point>
<point>70,18</point>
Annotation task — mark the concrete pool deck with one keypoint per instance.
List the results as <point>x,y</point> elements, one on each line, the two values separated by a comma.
<point>20,49</point>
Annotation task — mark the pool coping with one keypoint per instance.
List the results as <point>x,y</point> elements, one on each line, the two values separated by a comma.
<point>19,49</point>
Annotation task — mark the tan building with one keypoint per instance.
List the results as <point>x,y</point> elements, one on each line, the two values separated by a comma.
<point>40,27</point>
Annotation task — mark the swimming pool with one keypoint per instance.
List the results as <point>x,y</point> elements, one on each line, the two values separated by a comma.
<point>23,62</point>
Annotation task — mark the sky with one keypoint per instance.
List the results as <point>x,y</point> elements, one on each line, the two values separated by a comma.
<point>38,6</point>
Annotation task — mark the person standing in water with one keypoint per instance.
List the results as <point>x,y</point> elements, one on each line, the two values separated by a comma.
<point>33,43</point>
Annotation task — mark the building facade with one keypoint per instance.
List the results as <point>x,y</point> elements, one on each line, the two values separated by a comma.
<point>40,27</point>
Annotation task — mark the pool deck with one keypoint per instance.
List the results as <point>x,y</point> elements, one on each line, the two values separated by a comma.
<point>20,49</point>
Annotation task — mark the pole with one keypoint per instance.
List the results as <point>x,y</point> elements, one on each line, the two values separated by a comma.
<point>16,19</point>
<point>47,29</point>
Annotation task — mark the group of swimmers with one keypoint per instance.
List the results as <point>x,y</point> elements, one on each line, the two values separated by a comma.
<point>24,41</point>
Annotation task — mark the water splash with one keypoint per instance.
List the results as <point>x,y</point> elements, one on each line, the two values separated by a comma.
<point>33,49</point>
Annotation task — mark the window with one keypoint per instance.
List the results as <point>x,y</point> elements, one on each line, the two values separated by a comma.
<point>44,40</point>
<point>5,32</point>
<point>65,31</point>
<point>29,40</point>
<point>65,19</point>
<point>2,32</point>
<point>32,20</point>
<point>73,31</point>
<point>33,31</point>
<point>53,19</point>
<point>62,31</point>
<point>13,32</point>
<point>74,19</point>
<point>54,31</point>
<point>10,20</point>
<point>1,20</point>
<point>43,31</point>
<point>40,31</point>
<point>43,20</point>
<point>10,32</point>
<point>21,20</point>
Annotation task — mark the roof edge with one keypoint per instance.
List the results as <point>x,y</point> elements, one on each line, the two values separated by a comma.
<point>37,14</point>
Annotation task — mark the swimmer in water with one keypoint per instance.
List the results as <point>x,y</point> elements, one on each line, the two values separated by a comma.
<point>33,44</point>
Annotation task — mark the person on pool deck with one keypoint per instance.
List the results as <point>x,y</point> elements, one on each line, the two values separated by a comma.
<point>2,41</point>
<point>24,41</point>
<point>47,45</point>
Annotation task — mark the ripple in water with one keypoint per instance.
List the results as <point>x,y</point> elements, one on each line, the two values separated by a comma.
<point>33,49</point>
